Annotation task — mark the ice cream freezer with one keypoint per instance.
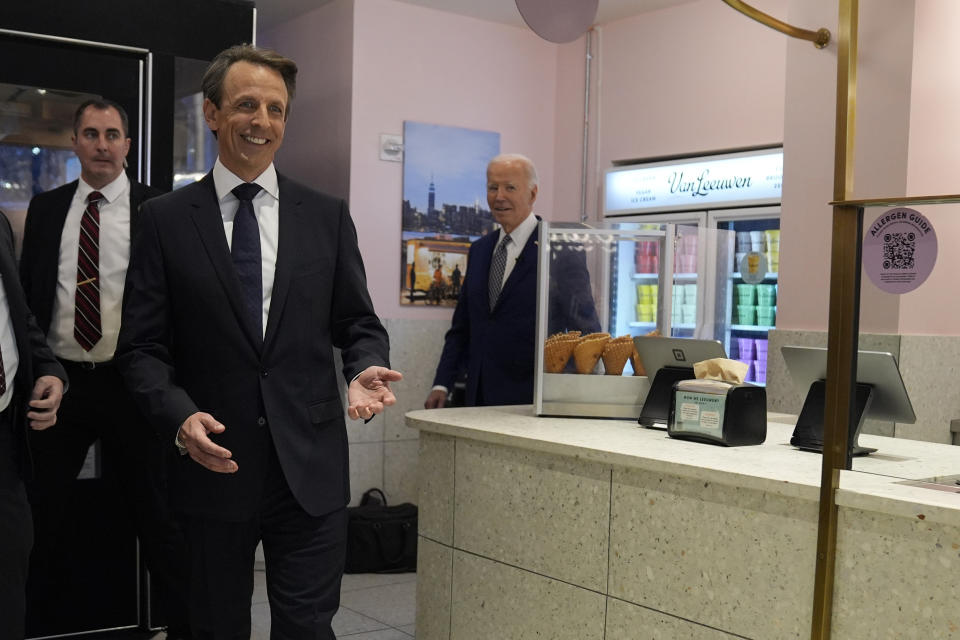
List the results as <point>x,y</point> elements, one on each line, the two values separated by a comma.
<point>724,287</point>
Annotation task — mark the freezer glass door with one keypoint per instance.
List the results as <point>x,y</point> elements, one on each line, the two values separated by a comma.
<point>691,309</point>
<point>748,309</point>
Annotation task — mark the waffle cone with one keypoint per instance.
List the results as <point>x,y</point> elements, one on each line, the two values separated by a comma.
<point>587,352</point>
<point>556,354</point>
<point>590,336</point>
<point>615,355</point>
<point>562,336</point>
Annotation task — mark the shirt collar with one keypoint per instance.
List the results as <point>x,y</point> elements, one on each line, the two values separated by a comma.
<point>522,231</point>
<point>110,192</point>
<point>225,180</point>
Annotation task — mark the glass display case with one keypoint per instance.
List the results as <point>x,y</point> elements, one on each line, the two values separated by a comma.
<point>601,286</point>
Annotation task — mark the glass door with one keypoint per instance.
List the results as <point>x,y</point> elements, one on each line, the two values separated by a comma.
<point>42,82</point>
<point>690,308</point>
<point>41,85</point>
<point>749,306</point>
<point>194,146</point>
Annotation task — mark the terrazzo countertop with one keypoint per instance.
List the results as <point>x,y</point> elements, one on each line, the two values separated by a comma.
<point>876,484</point>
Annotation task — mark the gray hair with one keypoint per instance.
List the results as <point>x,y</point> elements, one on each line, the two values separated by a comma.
<point>526,162</point>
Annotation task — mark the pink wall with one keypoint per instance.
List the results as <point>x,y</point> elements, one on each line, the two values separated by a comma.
<point>806,226</point>
<point>694,78</point>
<point>412,63</point>
<point>883,131</point>
<point>883,90</point>
<point>316,146</point>
<point>934,159</point>
<point>699,77</point>
<point>568,132</point>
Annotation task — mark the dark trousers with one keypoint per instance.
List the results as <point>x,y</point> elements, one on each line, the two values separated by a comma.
<point>304,557</point>
<point>97,406</point>
<point>16,537</point>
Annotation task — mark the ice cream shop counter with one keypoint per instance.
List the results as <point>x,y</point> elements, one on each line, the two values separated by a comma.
<point>537,527</point>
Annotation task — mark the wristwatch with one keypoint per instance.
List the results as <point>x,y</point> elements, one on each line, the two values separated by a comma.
<point>182,448</point>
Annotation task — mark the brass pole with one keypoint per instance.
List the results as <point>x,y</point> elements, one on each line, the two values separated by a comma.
<point>820,38</point>
<point>843,328</point>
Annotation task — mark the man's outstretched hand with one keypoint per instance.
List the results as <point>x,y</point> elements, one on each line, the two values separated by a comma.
<point>370,392</point>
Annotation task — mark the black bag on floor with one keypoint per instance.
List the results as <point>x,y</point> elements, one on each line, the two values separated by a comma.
<point>381,539</point>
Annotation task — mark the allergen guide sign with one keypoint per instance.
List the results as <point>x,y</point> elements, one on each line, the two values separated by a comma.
<point>899,250</point>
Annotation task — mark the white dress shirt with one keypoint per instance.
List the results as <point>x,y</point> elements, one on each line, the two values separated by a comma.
<point>518,240</point>
<point>8,347</point>
<point>114,259</point>
<point>266,208</point>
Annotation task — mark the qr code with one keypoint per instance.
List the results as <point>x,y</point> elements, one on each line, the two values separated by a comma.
<point>898,250</point>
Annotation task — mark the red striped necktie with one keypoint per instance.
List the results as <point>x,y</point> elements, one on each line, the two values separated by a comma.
<point>86,321</point>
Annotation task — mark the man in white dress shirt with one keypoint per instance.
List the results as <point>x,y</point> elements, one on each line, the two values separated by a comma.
<point>491,336</point>
<point>76,248</point>
<point>240,286</point>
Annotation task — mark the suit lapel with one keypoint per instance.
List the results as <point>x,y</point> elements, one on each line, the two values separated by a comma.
<point>137,193</point>
<point>60,212</point>
<point>48,261</point>
<point>526,261</point>
<point>16,303</point>
<point>291,216</point>
<point>58,217</point>
<point>209,222</point>
<point>482,266</point>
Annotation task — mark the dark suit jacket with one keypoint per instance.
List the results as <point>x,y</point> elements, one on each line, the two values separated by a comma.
<point>184,346</point>
<point>496,347</point>
<point>36,359</point>
<point>40,257</point>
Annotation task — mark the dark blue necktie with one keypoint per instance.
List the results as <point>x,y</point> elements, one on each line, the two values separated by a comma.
<point>245,249</point>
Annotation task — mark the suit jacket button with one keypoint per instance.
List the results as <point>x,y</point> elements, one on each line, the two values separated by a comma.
<point>263,374</point>
<point>261,421</point>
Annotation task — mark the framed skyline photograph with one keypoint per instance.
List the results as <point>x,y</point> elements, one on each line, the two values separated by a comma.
<point>444,208</point>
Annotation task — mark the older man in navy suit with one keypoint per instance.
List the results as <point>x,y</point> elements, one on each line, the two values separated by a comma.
<point>492,333</point>
<point>239,288</point>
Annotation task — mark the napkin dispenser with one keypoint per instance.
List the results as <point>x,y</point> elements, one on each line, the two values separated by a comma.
<point>718,412</point>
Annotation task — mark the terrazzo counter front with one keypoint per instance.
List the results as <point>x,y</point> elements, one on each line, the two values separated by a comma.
<point>577,528</point>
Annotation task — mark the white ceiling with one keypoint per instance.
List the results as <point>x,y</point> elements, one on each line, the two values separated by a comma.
<point>274,12</point>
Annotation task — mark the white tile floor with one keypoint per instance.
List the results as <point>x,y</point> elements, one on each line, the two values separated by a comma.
<point>372,607</point>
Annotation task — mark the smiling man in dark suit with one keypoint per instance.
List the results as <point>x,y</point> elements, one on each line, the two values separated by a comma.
<point>31,386</point>
<point>76,249</point>
<point>492,333</point>
<point>240,287</point>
